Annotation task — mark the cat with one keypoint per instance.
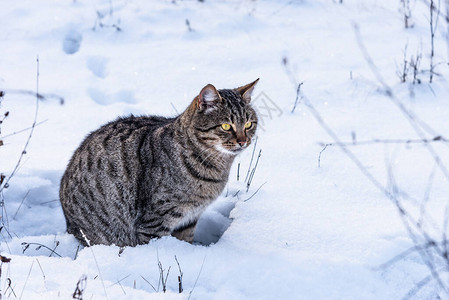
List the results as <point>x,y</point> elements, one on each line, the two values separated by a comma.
<point>139,178</point>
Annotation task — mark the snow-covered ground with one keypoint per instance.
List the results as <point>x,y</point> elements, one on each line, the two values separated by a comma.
<point>303,230</point>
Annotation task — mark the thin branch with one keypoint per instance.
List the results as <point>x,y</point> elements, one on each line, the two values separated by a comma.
<point>23,130</point>
<point>162,279</point>
<point>174,108</point>
<point>36,94</point>
<point>418,286</point>
<point>426,197</point>
<point>96,262</point>
<point>388,141</point>
<point>238,172</point>
<point>251,161</point>
<point>321,152</point>
<point>251,176</point>
<point>80,287</point>
<point>120,280</point>
<point>298,92</point>
<point>21,203</point>
<point>404,254</point>
<point>437,10</point>
<point>180,288</point>
<point>26,245</point>
<point>24,151</point>
<point>255,191</point>
<point>149,283</point>
<point>197,277</point>
<point>26,281</point>
<point>10,288</point>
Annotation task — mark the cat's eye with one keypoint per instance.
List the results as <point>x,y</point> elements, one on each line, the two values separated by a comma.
<point>226,126</point>
<point>248,125</point>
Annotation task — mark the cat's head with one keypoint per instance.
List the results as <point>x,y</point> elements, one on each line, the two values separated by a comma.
<point>224,119</point>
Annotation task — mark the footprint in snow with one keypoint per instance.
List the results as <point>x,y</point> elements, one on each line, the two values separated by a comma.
<point>72,42</point>
<point>102,98</point>
<point>98,66</point>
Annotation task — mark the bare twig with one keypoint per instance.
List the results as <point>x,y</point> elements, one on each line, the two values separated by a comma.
<point>26,281</point>
<point>196,280</point>
<point>26,245</point>
<point>42,271</point>
<point>174,108</point>
<point>10,288</point>
<point>40,267</point>
<point>404,254</point>
<point>238,172</point>
<point>289,71</point>
<point>298,98</point>
<point>433,21</point>
<point>21,203</point>
<point>23,130</point>
<point>437,10</point>
<point>24,151</point>
<point>180,288</point>
<point>403,72</point>
<point>251,161</point>
<point>446,17</point>
<point>414,64</point>
<point>36,94</point>
<point>253,171</point>
<point>96,262</point>
<point>189,27</point>
<point>119,283</point>
<point>3,259</point>
<point>149,283</point>
<point>422,283</point>
<point>389,141</point>
<point>321,152</point>
<point>77,250</point>
<point>426,194</point>
<point>255,191</point>
<point>80,287</point>
<point>162,278</point>
<point>407,13</point>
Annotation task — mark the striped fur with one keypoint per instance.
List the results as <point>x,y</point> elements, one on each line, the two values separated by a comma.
<point>139,178</point>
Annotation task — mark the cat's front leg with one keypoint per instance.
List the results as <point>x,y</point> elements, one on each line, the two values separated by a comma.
<point>146,232</point>
<point>185,233</point>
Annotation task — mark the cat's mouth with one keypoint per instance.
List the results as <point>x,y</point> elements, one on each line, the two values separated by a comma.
<point>232,149</point>
<point>235,148</point>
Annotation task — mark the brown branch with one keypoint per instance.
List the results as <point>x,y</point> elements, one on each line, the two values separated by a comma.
<point>39,96</point>
<point>6,183</point>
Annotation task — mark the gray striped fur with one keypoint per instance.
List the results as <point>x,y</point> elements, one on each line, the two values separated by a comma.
<point>139,178</point>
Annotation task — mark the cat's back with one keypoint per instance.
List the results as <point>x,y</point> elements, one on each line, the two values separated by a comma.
<point>115,145</point>
<point>123,126</point>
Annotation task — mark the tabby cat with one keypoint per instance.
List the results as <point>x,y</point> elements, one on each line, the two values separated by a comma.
<point>139,178</point>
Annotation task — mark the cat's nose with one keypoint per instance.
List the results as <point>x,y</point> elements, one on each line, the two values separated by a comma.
<point>242,143</point>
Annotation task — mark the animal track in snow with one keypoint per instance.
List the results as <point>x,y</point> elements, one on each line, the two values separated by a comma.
<point>72,42</point>
<point>103,98</point>
<point>98,66</point>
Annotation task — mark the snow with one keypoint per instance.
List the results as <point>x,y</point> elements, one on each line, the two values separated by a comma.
<point>302,230</point>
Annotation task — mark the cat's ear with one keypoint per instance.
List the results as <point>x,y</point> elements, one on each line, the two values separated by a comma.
<point>208,98</point>
<point>246,90</point>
